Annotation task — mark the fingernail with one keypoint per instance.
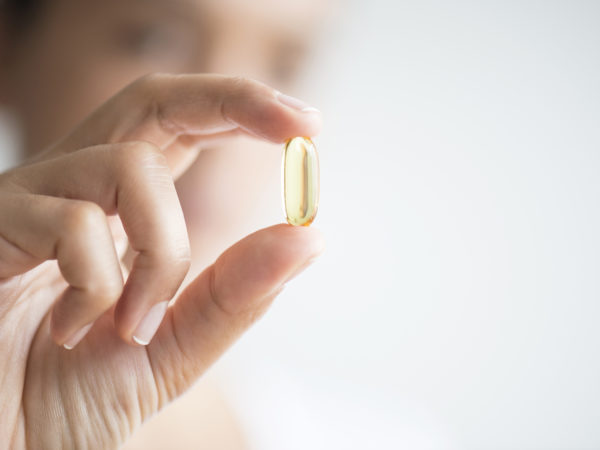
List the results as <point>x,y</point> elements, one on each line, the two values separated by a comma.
<point>295,103</point>
<point>78,336</point>
<point>301,268</point>
<point>147,327</point>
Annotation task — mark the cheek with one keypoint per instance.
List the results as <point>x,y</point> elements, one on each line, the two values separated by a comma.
<point>91,82</point>
<point>70,89</point>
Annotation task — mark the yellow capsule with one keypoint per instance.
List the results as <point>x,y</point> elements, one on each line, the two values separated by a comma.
<point>300,181</point>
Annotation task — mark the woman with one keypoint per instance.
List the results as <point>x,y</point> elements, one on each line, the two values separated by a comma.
<point>91,346</point>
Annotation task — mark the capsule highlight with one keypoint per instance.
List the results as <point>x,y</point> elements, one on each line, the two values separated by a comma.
<point>300,170</point>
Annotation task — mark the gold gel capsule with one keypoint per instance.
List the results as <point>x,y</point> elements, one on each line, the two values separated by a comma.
<point>300,181</point>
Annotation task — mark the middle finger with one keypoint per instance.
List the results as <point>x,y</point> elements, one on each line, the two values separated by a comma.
<point>133,180</point>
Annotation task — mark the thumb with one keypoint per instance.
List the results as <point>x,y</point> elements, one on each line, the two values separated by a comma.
<point>224,300</point>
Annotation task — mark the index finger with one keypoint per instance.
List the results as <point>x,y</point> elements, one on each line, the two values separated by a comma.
<point>159,108</point>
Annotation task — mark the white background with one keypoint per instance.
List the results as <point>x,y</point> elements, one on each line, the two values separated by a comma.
<point>457,303</point>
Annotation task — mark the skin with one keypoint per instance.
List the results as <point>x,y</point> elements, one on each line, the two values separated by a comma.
<point>110,180</point>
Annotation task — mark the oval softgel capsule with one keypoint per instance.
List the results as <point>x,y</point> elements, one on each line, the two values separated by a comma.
<point>300,181</point>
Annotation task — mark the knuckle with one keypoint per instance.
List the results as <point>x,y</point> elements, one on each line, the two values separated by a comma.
<point>98,296</point>
<point>139,156</point>
<point>105,286</point>
<point>177,261</point>
<point>147,92</point>
<point>103,289</point>
<point>241,84</point>
<point>148,83</point>
<point>141,152</point>
<point>82,217</point>
<point>236,86</point>
<point>108,291</point>
<point>184,263</point>
<point>239,81</point>
<point>240,89</point>
<point>179,258</point>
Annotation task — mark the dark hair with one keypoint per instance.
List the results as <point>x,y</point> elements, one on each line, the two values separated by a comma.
<point>19,13</point>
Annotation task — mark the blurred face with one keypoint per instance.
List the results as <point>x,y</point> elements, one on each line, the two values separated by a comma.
<point>77,53</point>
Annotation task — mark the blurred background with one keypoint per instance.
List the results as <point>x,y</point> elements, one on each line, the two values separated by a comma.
<point>456,305</point>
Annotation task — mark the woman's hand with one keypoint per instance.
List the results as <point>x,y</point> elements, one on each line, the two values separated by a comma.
<point>65,220</point>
